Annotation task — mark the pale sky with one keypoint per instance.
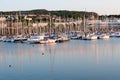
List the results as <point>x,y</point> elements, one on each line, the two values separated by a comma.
<point>100,6</point>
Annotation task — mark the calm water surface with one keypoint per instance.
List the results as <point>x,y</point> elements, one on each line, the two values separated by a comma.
<point>74,60</point>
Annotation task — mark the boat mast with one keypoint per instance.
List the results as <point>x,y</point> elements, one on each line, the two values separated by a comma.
<point>84,21</point>
<point>17,24</point>
<point>50,23</point>
<point>20,23</point>
<point>1,24</point>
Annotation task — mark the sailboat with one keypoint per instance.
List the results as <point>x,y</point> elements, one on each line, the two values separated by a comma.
<point>18,38</point>
<point>87,35</point>
<point>62,38</point>
<point>35,39</point>
<point>47,39</point>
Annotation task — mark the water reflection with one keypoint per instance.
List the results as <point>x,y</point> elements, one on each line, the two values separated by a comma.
<point>87,50</point>
<point>93,51</point>
<point>65,59</point>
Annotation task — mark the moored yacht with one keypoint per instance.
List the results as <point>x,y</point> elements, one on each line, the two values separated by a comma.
<point>117,34</point>
<point>2,38</point>
<point>62,38</point>
<point>18,38</point>
<point>35,39</point>
<point>103,36</point>
<point>89,36</point>
<point>76,37</point>
<point>47,41</point>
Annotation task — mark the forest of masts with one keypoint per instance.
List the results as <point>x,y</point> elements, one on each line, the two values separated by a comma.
<point>22,26</point>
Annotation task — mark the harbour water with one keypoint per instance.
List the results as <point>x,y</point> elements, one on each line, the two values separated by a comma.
<point>73,60</point>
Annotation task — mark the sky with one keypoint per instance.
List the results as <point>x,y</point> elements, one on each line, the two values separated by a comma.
<point>102,7</point>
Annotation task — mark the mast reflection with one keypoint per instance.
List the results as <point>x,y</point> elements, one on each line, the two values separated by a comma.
<point>20,55</point>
